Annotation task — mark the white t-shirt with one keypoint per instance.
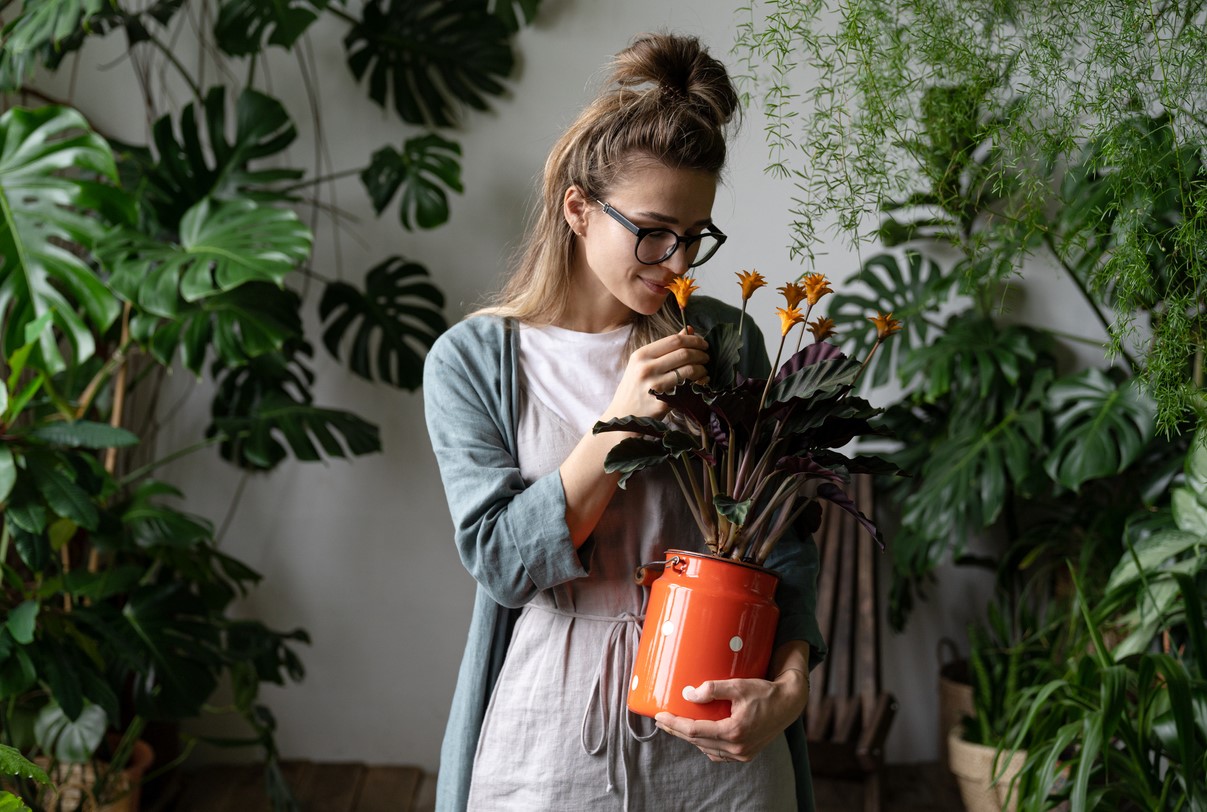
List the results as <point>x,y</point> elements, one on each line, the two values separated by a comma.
<point>574,374</point>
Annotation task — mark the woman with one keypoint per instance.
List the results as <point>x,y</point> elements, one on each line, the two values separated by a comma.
<point>582,332</point>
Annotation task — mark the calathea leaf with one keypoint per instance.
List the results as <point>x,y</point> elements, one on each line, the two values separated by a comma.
<point>426,167</point>
<point>431,54</point>
<point>244,26</point>
<point>398,319</point>
<point>505,10</point>
<point>649,426</point>
<point>222,246</point>
<point>911,286</point>
<point>633,454</point>
<point>821,378</point>
<point>724,355</point>
<point>839,498</point>
<point>236,326</point>
<point>43,205</point>
<point>1101,427</point>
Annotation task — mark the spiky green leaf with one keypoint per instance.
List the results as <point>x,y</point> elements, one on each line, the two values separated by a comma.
<point>426,169</point>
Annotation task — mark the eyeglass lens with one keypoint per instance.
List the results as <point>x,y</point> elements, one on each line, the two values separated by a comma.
<point>655,246</point>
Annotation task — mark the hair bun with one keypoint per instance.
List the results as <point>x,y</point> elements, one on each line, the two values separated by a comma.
<point>680,68</point>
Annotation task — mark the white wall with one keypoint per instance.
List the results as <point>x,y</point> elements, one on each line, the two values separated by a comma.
<point>360,554</point>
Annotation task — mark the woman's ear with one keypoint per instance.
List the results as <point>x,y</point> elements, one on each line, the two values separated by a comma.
<point>575,207</point>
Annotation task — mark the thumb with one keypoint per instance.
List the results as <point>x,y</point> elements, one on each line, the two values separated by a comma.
<point>710,690</point>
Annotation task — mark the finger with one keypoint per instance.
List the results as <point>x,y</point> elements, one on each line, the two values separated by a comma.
<point>718,689</point>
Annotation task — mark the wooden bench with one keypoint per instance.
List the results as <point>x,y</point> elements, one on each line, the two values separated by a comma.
<point>848,716</point>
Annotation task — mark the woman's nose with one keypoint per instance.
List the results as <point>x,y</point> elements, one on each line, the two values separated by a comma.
<point>677,263</point>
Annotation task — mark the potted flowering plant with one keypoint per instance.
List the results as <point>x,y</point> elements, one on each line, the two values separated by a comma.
<point>753,458</point>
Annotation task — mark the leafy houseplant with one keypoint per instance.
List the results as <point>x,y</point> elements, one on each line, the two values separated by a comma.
<point>753,456</point>
<point>119,261</point>
<point>1122,725</point>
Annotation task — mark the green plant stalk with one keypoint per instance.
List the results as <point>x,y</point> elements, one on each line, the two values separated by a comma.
<point>139,473</point>
<point>692,504</point>
<point>4,540</point>
<point>184,73</point>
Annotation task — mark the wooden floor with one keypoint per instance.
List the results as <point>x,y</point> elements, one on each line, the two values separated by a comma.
<point>358,788</point>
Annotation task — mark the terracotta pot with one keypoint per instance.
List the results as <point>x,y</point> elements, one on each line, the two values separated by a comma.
<point>708,618</point>
<point>73,783</point>
<point>973,766</point>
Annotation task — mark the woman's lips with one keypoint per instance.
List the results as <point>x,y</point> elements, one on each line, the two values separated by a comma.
<point>655,287</point>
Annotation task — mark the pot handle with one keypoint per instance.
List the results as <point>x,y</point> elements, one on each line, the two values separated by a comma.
<point>646,574</point>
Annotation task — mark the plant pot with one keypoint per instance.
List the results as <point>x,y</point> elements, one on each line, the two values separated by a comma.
<point>955,693</point>
<point>708,618</point>
<point>973,766</point>
<point>73,784</point>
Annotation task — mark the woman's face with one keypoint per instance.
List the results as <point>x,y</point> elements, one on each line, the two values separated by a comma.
<point>609,283</point>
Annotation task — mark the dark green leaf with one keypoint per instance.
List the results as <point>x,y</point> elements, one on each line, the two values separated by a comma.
<point>398,318</point>
<point>724,355</point>
<point>47,22</point>
<point>179,650</point>
<point>913,292</point>
<point>21,622</point>
<point>430,56</point>
<point>56,482</point>
<point>1102,426</point>
<point>180,173</point>
<point>222,246</point>
<point>98,586</point>
<point>648,426</point>
<point>505,10</point>
<point>43,207</point>
<point>732,510</point>
<point>84,434</point>
<point>13,763</point>
<point>816,379</point>
<point>17,674</point>
<point>33,548</point>
<point>426,167</point>
<point>244,27</point>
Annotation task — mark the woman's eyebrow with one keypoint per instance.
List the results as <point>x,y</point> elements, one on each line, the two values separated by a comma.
<point>674,221</point>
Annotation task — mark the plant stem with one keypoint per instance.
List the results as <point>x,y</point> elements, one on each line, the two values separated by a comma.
<point>4,539</point>
<point>176,63</point>
<point>693,507</point>
<point>1085,294</point>
<point>175,455</point>
<point>343,173</point>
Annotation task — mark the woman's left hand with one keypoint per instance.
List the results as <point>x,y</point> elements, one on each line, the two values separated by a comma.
<point>761,710</point>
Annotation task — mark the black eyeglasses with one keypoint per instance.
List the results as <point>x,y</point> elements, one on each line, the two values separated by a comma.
<point>655,245</point>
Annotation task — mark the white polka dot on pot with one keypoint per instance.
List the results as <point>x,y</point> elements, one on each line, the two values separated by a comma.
<point>668,628</point>
<point>735,643</point>
<point>633,685</point>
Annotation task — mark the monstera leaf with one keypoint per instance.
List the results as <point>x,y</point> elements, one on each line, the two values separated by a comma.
<point>39,31</point>
<point>1102,426</point>
<point>423,170</point>
<point>911,287</point>
<point>398,318</point>
<point>244,26</point>
<point>43,212</point>
<point>179,173</point>
<point>236,326</point>
<point>506,11</point>
<point>258,405</point>
<point>430,55</point>
<point>963,485</point>
<point>222,246</point>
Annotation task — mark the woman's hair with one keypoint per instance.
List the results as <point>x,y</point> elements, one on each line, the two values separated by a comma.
<point>666,101</point>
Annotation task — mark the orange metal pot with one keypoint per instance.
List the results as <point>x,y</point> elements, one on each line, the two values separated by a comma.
<point>708,618</point>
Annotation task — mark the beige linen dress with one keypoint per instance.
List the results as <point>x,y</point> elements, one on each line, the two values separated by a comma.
<point>557,735</point>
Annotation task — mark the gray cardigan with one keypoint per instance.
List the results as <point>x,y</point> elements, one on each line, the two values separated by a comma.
<point>513,538</point>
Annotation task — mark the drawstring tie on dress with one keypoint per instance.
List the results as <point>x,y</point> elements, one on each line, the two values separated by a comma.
<point>615,663</point>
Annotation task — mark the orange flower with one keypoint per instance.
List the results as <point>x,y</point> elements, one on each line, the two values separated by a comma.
<point>788,318</point>
<point>821,328</point>
<point>794,293</point>
<point>886,325</point>
<point>751,281</point>
<point>816,286</point>
<point>683,287</point>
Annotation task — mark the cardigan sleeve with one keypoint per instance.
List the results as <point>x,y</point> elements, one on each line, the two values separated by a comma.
<point>512,536</point>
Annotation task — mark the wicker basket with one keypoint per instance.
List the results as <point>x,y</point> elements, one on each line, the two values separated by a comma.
<point>973,766</point>
<point>955,693</point>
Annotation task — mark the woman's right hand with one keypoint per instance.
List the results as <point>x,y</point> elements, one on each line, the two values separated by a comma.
<point>662,365</point>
